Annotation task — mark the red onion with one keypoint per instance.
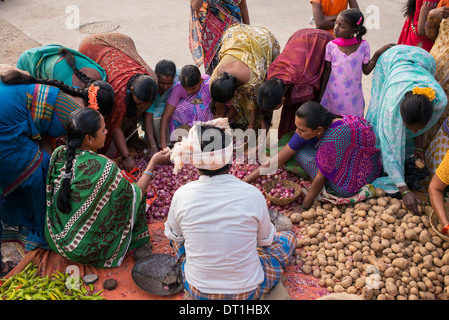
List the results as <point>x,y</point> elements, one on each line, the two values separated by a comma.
<point>166,183</point>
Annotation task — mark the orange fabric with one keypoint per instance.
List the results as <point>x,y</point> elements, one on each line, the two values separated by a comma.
<point>443,3</point>
<point>298,285</point>
<point>116,53</point>
<point>331,8</point>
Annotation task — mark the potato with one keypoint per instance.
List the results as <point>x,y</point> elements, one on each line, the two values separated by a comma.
<point>401,263</point>
<point>380,192</point>
<point>378,208</point>
<point>419,163</point>
<point>424,237</point>
<point>411,234</point>
<point>445,270</point>
<point>296,217</point>
<point>312,232</point>
<point>346,282</point>
<point>362,206</point>
<point>360,212</point>
<point>309,215</point>
<point>414,272</point>
<point>391,288</point>
<point>388,218</point>
<point>445,258</point>
<point>386,233</point>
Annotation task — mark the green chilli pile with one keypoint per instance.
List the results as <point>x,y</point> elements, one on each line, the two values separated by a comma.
<point>28,285</point>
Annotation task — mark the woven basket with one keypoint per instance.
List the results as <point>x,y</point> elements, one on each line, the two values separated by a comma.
<point>285,183</point>
<point>433,223</point>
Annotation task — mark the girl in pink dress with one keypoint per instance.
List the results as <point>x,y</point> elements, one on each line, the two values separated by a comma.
<point>346,58</point>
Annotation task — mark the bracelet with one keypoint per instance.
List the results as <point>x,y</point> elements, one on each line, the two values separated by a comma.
<point>405,192</point>
<point>429,26</point>
<point>153,146</point>
<point>445,229</point>
<point>149,173</point>
<point>304,207</point>
<point>420,149</point>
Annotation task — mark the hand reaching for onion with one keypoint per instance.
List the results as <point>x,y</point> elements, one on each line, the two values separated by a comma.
<point>129,163</point>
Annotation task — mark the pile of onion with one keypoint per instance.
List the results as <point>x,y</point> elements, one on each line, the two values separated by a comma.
<point>166,183</point>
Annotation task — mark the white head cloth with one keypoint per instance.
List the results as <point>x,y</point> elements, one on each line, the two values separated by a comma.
<point>188,150</point>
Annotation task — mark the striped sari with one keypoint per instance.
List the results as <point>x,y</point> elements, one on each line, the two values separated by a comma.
<point>108,213</point>
<point>28,113</point>
<point>207,28</point>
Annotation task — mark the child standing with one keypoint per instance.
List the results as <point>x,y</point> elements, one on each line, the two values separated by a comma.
<point>346,58</point>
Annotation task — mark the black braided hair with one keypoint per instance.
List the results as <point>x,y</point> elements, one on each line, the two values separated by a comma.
<point>81,122</point>
<point>105,95</point>
<point>145,89</point>
<point>12,77</point>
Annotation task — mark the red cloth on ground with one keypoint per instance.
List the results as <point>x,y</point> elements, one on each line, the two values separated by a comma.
<point>298,285</point>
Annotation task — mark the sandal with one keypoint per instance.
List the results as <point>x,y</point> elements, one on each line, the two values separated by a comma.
<point>9,266</point>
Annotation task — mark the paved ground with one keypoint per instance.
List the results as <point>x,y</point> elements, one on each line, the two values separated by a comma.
<point>160,28</point>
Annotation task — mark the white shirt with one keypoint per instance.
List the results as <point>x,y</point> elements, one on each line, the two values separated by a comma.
<point>222,220</point>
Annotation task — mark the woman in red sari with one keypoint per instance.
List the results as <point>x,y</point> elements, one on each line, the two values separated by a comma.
<point>134,83</point>
<point>414,32</point>
<point>294,77</point>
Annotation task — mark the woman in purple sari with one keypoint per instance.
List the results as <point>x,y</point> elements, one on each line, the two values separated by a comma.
<point>337,151</point>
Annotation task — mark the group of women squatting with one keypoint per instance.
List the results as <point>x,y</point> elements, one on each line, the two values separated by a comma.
<point>96,96</point>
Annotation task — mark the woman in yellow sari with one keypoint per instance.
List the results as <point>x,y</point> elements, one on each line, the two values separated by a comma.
<point>245,55</point>
<point>436,140</point>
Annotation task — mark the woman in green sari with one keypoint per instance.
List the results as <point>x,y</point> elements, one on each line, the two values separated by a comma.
<point>56,62</point>
<point>94,215</point>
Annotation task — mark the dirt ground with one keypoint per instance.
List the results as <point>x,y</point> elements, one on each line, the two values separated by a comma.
<point>159,29</point>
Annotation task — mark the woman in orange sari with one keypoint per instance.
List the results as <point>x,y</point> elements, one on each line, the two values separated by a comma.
<point>134,83</point>
<point>325,12</point>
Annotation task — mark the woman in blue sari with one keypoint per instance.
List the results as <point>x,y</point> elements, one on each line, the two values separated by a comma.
<point>33,110</point>
<point>406,101</point>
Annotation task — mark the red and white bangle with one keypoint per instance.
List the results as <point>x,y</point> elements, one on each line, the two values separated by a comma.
<point>445,229</point>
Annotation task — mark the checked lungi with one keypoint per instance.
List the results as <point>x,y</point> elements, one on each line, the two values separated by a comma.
<point>274,259</point>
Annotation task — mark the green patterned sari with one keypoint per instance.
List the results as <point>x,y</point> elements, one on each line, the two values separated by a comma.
<point>108,213</point>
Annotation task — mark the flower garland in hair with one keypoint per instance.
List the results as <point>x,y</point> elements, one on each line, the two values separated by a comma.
<point>92,95</point>
<point>428,92</point>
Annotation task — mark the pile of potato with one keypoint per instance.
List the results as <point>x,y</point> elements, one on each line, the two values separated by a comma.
<point>377,249</point>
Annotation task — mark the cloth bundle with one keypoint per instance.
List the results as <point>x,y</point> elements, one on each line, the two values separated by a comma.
<point>188,150</point>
